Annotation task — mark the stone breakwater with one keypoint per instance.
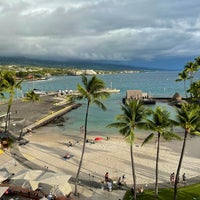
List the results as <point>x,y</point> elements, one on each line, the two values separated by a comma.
<point>26,114</point>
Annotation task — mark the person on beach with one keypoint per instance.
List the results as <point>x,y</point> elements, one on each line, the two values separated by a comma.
<point>67,156</point>
<point>119,182</point>
<point>109,184</point>
<point>172,178</point>
<point>124,179</point>
<point>184,178</point>
<point>106,177</point>
<point>69,144</point>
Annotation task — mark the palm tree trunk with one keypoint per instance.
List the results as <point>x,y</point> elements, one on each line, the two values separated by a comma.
<point>133,172</point>
<point>21,132</point>
<point>8,112</point>
<point>157,159</point>
<point>185,89</point>
<point>83,150</point>
<point>179,165</point>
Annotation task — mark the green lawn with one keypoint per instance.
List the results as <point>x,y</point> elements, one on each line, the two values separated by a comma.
<point>191,192</point>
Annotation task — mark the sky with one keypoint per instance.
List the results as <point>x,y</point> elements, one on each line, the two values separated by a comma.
<point>132,31</point>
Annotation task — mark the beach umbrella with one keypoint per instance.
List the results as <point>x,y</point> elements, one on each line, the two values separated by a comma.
<point>47,181</point>
<point>63,189</point>
<point>57,184</point>
<point>3,190</point>
<point>43,198</point>
<point>4,174</point>
<point>28,174</point>
<point>98,138</point>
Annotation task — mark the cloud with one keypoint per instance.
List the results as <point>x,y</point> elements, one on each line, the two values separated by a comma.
<point>100,29</point>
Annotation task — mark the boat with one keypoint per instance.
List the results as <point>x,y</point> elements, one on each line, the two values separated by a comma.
<point>111,90</point>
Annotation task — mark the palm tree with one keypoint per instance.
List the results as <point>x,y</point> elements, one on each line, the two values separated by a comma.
<point>188,117</point>
<point>92,91</point>
<point>197,61</point>
<point>30,96</point>
<point>132,115</point>
<point>183,76</point>
<point>3,84</point>
<point>10,87</point>
<point>190,68</point>
<point>160,124</point>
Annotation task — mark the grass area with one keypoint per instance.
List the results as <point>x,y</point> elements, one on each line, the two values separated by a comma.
<point>191,192</point>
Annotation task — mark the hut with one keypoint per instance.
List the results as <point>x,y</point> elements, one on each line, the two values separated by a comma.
<point>139,95</point>
<point>177,97</point>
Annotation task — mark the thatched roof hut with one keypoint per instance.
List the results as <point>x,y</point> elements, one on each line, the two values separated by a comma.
<point>133,94</point>
<point>177,97</point>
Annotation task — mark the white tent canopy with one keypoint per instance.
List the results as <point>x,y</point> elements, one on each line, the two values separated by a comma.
<point>55,183</point>
<point>2,190</point>
<point>4,174</point>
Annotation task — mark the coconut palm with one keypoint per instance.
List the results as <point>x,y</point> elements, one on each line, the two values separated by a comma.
<point>197,62</point>
<point>161,125</point>
<point>132,115</point>
<point>188,117</point>
<point>3,84</point>
<point>190,68</point>
<point>10,87</point>
<point>195,90</point>
<point>92,91</point>
<point>183,76</point>
<point>30,96</point>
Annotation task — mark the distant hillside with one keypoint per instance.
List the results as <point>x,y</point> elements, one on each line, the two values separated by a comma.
<point>98,65</point>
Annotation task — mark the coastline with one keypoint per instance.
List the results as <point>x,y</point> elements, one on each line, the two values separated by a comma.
<point>47,148</point>
<point>111,155</point>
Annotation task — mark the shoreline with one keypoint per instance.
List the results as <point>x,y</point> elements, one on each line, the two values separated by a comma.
<point>110,155</point>
<point>47,148</point>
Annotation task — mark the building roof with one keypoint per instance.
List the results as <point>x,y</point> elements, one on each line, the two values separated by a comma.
<point>134,94</point>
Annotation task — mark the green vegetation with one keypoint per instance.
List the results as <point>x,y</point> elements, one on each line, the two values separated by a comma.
<point>132,116</point>
<point>188,75</point>
<point>92,92</point>
<point>35,72</point>
<point>188,192</point>
<point>161,126</point>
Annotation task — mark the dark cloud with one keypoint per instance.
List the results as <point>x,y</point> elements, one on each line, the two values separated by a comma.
<point>100,29</point>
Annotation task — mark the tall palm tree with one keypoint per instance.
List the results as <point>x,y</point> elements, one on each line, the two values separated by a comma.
<point>10,87</point>
<point>3,84</point>
<point>92,91</point>
<point>132,115</point>
<point>183,76</point>
<point>160,124</point>
<point>190,68</point>
<point>197,61</point>
<point>30,96</point>
<point>188,117</point>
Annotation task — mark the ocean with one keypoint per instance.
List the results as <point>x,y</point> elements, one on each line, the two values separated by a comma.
<point>156,83</point>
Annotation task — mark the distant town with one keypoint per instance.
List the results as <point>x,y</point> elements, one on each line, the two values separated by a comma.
<point>42,73</point>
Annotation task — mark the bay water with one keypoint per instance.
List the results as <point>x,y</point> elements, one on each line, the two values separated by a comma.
<point>156,83</point>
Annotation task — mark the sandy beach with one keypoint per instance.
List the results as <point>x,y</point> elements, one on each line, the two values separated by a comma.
<point>47,148</point>
<point>113,156</point>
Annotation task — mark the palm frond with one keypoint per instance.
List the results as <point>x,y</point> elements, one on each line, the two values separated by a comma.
<point>116,125</point>
<point>148,138</point>
<point>100,104</point>
<point>167,135</point>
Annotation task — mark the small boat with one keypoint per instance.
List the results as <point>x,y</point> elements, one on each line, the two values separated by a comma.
<point>111,90</point>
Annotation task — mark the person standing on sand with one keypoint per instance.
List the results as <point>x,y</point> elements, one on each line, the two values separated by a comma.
<point>106,177</point>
